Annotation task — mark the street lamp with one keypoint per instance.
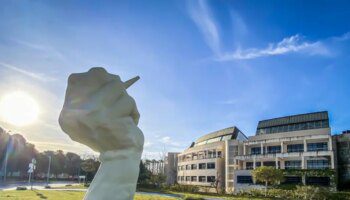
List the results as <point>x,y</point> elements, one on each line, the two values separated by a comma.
<point>48,171</point>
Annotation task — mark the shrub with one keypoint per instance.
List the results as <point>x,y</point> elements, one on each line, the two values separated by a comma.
<point>312,193</point>
<point>184,188</point>
<point>301,193</point>
<point>21,188</point>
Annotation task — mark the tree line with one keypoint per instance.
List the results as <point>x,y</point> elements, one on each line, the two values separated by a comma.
<point>16,154</point>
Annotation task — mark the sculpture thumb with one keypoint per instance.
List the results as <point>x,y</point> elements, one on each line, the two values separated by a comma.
<point>128,83</point>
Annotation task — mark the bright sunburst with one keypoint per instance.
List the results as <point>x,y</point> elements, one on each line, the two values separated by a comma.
<point>18,108</point>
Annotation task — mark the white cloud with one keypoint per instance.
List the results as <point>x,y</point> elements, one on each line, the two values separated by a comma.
<point>38,76</point>
<point>291,44</point>
<point>168,141</point>
<point>202,17</point>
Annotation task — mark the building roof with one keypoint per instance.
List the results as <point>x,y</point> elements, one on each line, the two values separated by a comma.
<point>293,119</point>
<point>227,131</point>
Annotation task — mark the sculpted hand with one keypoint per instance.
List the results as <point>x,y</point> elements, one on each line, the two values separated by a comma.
<point>99,113</point>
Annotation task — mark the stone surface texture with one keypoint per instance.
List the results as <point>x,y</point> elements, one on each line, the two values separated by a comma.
<point>99,113</point>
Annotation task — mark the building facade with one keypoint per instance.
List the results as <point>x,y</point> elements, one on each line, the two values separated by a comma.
<point>296,144</point>
<point>343,158</point>
<point>170,167</point>
<point>203,163</point>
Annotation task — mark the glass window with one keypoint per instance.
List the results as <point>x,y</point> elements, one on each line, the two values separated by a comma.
<point>188,178</point>
<point>194,166</point>
<point>249,165</point>
<point>201,178</point>
<point>188,167</point>
<point>274,149</point>
<point>244,179</point>
<point>201,166</point>
<point>255,150</point>
<point>321,146</point>
<point>194,178</point>
<point>317,164</point>
<point>214,140</point>
<point>210,165</point>
<point>219,154</point>
<point>226,137</point>
<point>295,148</point>
<point>293,164</point>
<point>210,179</point>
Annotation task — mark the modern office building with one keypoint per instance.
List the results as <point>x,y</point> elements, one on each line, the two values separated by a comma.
<point>170,167</point>
<point>343,158</point>
<point>299,142</point>
<point>203,163</point>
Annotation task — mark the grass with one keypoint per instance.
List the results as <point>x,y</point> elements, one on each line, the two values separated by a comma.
<point>59,195</point>
<point>77,186</point>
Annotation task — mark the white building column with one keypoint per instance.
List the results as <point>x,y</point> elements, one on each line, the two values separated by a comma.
<point>276,160</point>
<point>305,145</point>
<point>254,163</point>
<point>303,162</point>
<point>330,144</point>
<point>282,147</point>
<point>332,161</point>
<point>262,148</point>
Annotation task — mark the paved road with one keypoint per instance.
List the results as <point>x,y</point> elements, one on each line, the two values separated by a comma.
<point>36,185</point>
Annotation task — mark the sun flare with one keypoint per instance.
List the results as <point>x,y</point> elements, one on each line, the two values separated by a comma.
<point>18,108</point>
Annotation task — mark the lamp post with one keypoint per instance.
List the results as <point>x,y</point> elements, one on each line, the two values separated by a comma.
<point>48,171</point>
<point>31,171</point>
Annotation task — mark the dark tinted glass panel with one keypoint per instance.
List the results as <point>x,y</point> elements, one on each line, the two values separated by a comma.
<point>244,179</point>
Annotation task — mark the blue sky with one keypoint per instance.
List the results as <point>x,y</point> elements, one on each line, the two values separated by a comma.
<point>204,65</point>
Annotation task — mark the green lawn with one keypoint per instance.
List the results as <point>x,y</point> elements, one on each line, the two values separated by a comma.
<point>59,195</point>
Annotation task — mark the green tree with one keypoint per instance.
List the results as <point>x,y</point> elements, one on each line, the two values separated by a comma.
<point>267,175</point>
<point>144,174</point>
<point>90,166</point>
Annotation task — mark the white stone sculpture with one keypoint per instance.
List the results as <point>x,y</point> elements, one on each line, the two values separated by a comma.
<point>99,113</point>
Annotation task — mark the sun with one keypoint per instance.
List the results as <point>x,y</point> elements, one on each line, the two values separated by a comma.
<point>18,108</point>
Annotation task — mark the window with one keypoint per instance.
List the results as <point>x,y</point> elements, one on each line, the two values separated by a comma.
<point>219,154</point>
<point>295,148</point>
<point>210,165</point>
<point>323,181</point>
<point>217,139</point>
<point>292,180</point>
<point>270,163</point>
<point>294,127</point>
<point>244,179</point>
<point>188,178</point>
<point>182,178</point>
<point>194,178</point>
<point>293,164</point>
<point>317,164</point>
<point>201,165</point>
<point>194,166</point>
<point>255,150</point>
<point>321,146</point>
<point>249,165</point>
<point>179,178</point>
<point>201,178</point>
<point>179,168</point>
<point>226,137</point>
<point>210,179</point>
<point>274,149</point>
<point>258,164</point>
<point>188,167</point>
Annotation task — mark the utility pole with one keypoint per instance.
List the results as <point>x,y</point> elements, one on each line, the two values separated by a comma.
<point>48,171</point>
